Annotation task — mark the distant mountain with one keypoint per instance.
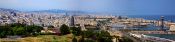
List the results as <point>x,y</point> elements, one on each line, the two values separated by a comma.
<point>51,11</point>
<point>60,11</point>
<point>12,11</point>
<point>8,10</point>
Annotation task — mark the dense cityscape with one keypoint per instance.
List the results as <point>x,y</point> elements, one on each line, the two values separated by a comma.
<point>87,21</point>
<point>86,27</point>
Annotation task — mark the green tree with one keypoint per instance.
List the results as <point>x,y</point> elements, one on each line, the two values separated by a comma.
<point>74,40</point>
<point>88,33</point>
<point>33,29</point>
<point>99,36</point>
<point>64,29</point>
<point>17,24</point>
<point>18,30</point>
<point>76,31</point>
<point>104,36</point>
<point>125,39</point>
<point>5,30</point>
<point>81,39</point>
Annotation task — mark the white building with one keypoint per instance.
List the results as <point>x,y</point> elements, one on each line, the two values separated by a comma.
<point>172,27</point>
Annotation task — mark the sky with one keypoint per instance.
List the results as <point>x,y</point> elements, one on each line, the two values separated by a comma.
<point>118,7</point>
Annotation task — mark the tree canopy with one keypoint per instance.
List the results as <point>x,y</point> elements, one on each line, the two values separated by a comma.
<point>19,29</point>
<point>99,36</point>
<point>76,31</point>
<point>64,29</point>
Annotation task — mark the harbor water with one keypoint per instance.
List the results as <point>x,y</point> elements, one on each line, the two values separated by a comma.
<point>156,17</point>
<point>167,36</point>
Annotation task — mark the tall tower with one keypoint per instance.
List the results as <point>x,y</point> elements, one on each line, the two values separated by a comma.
<point>72,21</point>
<point>162,23</point>
<point>66,14</point>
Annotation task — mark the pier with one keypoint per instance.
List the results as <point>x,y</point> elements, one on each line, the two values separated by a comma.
<point>145,38</point>
<point>152,32</point>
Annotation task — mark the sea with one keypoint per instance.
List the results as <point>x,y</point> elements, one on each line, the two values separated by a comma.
<point>156,17</point>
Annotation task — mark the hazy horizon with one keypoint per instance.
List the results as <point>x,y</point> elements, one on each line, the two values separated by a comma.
<point>119,7</point>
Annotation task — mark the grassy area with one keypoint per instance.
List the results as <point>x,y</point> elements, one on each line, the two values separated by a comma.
<point>45,38</point>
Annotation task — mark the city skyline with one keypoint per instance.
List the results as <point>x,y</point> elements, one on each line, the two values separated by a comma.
<point>87,21</point>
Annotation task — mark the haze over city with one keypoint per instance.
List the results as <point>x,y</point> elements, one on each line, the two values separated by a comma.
<point>119,7</point>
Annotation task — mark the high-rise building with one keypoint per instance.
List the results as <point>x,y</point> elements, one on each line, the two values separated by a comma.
<point>162,23</point>
<point>72,21</point>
